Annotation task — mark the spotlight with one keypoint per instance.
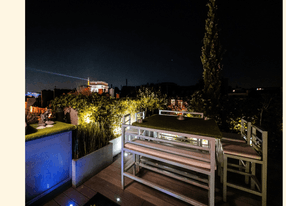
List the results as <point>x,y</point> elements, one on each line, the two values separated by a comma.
<point>117,199</point>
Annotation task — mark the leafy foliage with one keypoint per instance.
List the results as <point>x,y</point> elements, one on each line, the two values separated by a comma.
<point>99,116</point>
<point>211,60</point>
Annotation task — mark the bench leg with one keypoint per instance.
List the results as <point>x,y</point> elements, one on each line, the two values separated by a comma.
<point>247,170</point>
<point>253,171</point>
<point>212,189</point>
<point>240,165</point>
<point>134,161</point>
<point>137,160</point>
<point>224,178</point>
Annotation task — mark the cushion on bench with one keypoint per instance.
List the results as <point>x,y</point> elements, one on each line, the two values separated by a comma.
<point>169,156</point>
<point>174,149</point>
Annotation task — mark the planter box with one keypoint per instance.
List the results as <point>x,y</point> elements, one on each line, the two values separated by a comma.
<point>48,164</point>
<point>86,167</point>
<point>117,145</point>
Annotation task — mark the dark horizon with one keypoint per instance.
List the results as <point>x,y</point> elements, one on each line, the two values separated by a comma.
<point>149,42</point>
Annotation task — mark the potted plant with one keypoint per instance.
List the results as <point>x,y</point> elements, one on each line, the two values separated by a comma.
<point>92,151</point>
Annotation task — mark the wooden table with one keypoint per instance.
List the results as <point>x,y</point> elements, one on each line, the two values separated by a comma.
<point>193,126</point>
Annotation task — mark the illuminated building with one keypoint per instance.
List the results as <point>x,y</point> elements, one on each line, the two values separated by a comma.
<point>98,86</point>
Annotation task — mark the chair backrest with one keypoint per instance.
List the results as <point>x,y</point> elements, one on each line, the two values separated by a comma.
<point>245,130</point>
<point>174,113</point>
<point>259,141</point>
<point>126,118</point>
<point>139,114</point>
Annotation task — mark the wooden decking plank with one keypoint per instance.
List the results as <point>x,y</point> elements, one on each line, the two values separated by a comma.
<point>112,175</point>
<point>51,203</point>
<point>87,192</point>
<point>146,203</point>
<point>76,196</point>
<point>64,200</point>
<point>108,183</point>
<point>178,186</point>
<point>113,192</point>
<point>154,196</point>
<point>117,163</point>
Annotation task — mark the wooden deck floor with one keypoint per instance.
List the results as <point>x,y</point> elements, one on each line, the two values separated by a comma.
<point>108,183</point>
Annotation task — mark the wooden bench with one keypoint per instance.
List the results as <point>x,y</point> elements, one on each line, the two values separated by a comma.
<point>152,153</point>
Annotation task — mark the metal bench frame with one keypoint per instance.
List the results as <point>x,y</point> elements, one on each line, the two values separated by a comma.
<point>138,161</point>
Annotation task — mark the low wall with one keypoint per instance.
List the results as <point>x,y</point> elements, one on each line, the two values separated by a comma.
<point>86,167</point>
<point>116,145</point>
<point>48,164</point>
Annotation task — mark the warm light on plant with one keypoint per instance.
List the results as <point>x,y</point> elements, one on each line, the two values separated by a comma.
<point>117,131</point>
<point>87,118</point>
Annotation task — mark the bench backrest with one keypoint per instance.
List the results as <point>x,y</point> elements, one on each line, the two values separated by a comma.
<point>210,149</point>
<point>126,119</point>
<point>174,113</point>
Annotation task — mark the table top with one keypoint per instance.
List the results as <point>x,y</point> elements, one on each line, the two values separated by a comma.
<point>196,126</point>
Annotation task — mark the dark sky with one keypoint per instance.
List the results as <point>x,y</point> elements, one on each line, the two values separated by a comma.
<point>149,41</point>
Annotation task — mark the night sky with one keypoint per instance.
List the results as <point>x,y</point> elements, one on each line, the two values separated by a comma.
<point>149,41</point>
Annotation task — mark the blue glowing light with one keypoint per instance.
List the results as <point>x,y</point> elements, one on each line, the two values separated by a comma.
<point>33,94</point>
<point>48,163</point>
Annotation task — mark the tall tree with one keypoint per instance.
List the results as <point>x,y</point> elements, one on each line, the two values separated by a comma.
<point>211,60</point>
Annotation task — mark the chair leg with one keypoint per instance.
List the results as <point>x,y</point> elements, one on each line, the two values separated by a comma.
<point>122,170</point>
<point>224,178</point>
<point>264,184</point>
<point>221,172</point>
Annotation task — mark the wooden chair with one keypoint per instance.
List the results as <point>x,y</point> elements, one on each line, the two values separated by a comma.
<point>254,153</point>
<point>229,138</point>
<point>171,113</point>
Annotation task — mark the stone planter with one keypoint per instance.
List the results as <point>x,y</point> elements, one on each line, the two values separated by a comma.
<point>116,145</point>
<point>86,167</point>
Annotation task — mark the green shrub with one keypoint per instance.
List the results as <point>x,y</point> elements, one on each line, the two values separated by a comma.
<point>99,116</point>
